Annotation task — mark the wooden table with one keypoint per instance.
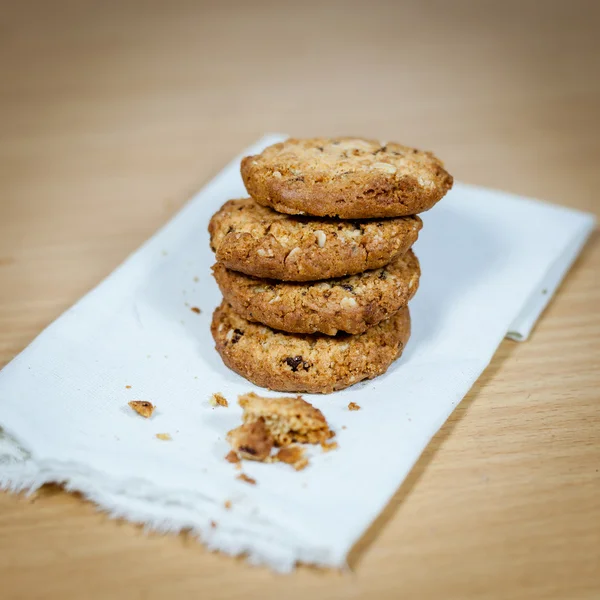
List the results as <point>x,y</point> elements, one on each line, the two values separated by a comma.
<point>113,113</point>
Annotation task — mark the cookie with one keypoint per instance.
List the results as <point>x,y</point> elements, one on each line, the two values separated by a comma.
<point>345,177</point>
<point>351,304</point>
<point>288,420</point>
<point>258,241</point>
<point>289,362</point>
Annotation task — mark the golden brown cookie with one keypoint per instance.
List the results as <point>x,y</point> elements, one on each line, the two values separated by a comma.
<point>289,362</point>
<point>258,241</point>
<point>347,178</point>
<point>351,304</point>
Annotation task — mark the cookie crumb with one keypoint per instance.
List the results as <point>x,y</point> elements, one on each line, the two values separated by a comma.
<point>327,447</point>
<point>232,457</point>
<point>196,279</point>
<point>213,524</point>
<point>292,455</point>
<point>127,387</point>
<point>353,406</point>
<point>142,407</point>
<point>166,437</point>
<point>244,477</point>
<point>217,399</point>
<point>301,464</point>
<point>344,427</point>
<point>251,441</point>
<point>195,309</point>
<point>227,504</point>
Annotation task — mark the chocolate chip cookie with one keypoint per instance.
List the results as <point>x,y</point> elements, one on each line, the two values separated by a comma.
<point>351,304</point>
<point>345,177</point>
<point>289,362</point>
<point>258,241</point>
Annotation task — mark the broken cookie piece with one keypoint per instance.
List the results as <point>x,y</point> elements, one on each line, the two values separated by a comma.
<point>287,420</point>
<point>353,406</point>
<point>252,440</point>
<point>142,407</point>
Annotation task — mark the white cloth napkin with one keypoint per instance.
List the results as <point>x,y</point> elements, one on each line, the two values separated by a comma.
<point>490,263</point>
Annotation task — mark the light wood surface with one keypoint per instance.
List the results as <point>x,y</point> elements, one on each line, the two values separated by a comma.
<point>113,113</point>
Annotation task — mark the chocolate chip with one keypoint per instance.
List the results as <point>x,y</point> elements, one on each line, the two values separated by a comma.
<point>237,334</point>
<point>247,450</point>
<point>347,287</point>
<point>294,362</point>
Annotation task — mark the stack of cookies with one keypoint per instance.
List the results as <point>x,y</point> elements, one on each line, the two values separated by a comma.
<point>316,268</point>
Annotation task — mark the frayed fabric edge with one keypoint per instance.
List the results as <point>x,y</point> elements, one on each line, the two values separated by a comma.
<point>215,534</point>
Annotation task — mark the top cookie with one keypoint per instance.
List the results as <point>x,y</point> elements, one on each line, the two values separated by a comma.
<point>348,178</point>
<point>258,241</point>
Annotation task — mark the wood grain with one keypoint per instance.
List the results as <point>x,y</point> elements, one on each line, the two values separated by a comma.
<point>113,113</point>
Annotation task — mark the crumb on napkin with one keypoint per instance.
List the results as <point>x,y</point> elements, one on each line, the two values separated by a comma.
<point>353,406</point>
<point>166,437</point>
<point>195,309</point>
<point>142,407</point>
<point>292,455</point>
<point>251,441</point>
<point>232,457</point>
<point>328,446</point>
<point>217,399</point>
<point>244,477</point>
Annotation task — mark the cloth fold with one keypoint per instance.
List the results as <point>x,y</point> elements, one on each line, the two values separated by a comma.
<point>490,263</point>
